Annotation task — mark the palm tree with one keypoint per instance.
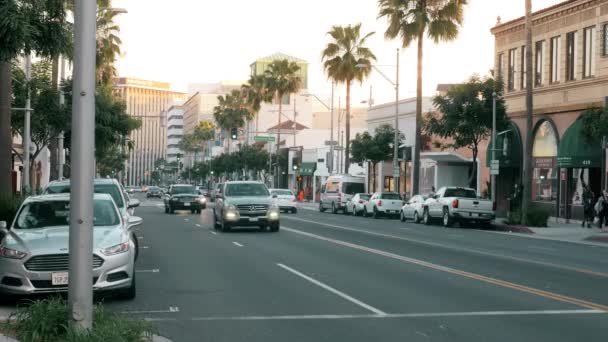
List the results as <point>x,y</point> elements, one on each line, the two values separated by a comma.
<point>108,44</point>
<point>232,111</point>
<point>345,59</point>
<point>256,93</point>
<point>440,20</point>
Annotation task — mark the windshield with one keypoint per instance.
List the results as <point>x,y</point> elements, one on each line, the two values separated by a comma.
<point>282,192</point>
<point>246,189</point>
<point>183,190</point>
<point>110,189</point>
<point>352,188</point>
<point>365,197</point>
<point>391,196</point>
<point>462,193</point>
<point>57,213</point>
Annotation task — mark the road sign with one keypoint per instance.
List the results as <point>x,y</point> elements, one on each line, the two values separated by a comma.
<point>330,143</point>
<point>338,148</point>
<point>494,167</point>
<point>263,138</point>
<point>396,171</point>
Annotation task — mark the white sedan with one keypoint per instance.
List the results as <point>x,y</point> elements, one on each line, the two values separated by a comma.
<point>356,204</point>
<point>285,199</point>
<point>413,209</point>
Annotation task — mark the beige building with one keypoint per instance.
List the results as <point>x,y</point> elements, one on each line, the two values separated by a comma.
<point>148,101</point>
<point>570,58</point>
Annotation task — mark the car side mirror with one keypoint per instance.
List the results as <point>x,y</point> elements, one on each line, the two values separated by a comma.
<point>133,203</point>
<point>275,196</point>
<point>134,221</point>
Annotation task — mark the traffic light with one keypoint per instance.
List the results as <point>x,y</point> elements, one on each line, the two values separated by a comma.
<point>234,133</point>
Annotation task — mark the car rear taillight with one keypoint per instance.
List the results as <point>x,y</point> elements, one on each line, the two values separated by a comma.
<point>455,204</point>
<point>361,201</point>
<point>494,206</point>
<point>380,203</point>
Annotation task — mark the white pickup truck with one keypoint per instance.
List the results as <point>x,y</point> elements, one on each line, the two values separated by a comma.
<point>456,204</point>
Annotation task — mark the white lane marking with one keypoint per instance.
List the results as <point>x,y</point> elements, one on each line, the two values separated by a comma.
<point>198,225</point>
<point>392,316</point>
<point>154,270</point>
<point>476,251</point>
<point>212,232</point>
<point>237,244</point>
<point>186,219</point>
<point>332,290</point>
<point>140,237</point>
<point>172,309</point>
<point>144,247</point>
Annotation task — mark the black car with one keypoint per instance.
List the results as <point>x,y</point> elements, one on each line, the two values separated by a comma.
<point>154,192</point>
<point>184,197</point>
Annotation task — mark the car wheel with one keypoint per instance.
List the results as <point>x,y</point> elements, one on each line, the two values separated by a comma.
<point>376,213</point>
<point>334,210</point>
<point>416,217</point>
<point>203,208</point>
<point>226,227</point>
<point>402,216</point>
<point>447,220</point>
<point>263,227</point>
<point>192,211</point>
<point>321,209</point>
<point>275,227</point>
<point>134,239</point>
<point>171,210</point>
<point>131,292</point>
<point>365,213</point>
<point>166,210</point>
<point>426,218</point>
<point>216,225</point>
<point>294,210</point>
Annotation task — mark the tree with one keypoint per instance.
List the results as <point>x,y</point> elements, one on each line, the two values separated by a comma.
<point>232,111</point>
<point>595,124</point>
<point>256,93</point>
<point>376,148</point>
<point>345,59</point>
<point>410,20</point>
<point>108,42</point>
<point>466,116</point>
<point>26,26</point>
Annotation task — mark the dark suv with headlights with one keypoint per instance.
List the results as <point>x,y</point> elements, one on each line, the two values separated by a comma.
<point>184,197</point>
<point>245,204</point>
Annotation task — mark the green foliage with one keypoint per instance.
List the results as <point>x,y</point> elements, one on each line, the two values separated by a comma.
<point>281,78</point>
<point>595,124</point>
<point>256,92</point>
<point>9,204</point>
<point>46,320</point>
<point>232,110</point>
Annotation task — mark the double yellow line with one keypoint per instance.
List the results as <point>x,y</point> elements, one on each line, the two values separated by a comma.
<point>489,280</point>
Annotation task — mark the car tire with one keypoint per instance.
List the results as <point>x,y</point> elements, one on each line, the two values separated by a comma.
<point>426,217</point>
<point>171,210</point>
<point>202,208</point>
<point>166,210</point>
<point>321,209</point>
<point>416,217</point>
<point>263,228</point>
<point>192,211</point>
<point>226,227</point>
<point>446,219</point>
<point>275,227</point>
<point>130,292</point>
<point>134,239</point>
<point>294,210</point>
<point>333,208</point>
<point>375,214</point>
<point>365,213</point>
<point>402,216</point>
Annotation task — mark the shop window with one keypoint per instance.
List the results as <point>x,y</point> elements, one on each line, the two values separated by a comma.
<point>389,183</point>
<point>544,152</point>
<point>588,52</point>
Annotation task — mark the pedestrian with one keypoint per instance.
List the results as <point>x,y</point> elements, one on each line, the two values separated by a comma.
<point>602,211</point>
<point>587,206</point>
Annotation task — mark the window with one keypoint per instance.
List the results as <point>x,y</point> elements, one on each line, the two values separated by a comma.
<point>571,56</point>
<point>544,152</point>
<point>390,196</point>
<point>353,188</point>
<point>538,71</point>
<point>605,40</point>
<point>588,51</point>
<point>499,61</point>
<point>555,46</point>
<point>511,70</point>
<point>460,192</point>
<point>523,68</point>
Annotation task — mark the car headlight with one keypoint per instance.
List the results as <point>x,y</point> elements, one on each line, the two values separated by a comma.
<point>6,252</point>
<point>116,249</point>
<point>273,212</point>
<point>202,200</point>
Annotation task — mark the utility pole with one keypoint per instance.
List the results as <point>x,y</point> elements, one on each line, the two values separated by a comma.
<point>396,166</point>
<point>331,129</point>
<point>80,290</point>
<point>338,132</point>
<point>527,174</point>
<point>27,129</point>
<point>493,146</point>
<point>60,137</point>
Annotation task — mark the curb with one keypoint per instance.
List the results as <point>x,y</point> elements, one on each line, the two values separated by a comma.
<point>513,228</point>
<point>598,238</point>
<point>155,338</point>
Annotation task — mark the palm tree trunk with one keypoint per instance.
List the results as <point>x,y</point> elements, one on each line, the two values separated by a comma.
<point>527,174</point>
<point>6,138</point>
<point>347,128</point>
<point>416,156</point>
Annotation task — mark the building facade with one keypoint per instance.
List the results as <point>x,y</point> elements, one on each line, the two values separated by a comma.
<point>175,132</point>
<point>570,75</point>
<point>147,101</point>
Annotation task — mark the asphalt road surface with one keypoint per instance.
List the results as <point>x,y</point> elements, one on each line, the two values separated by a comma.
<point>327,277</point>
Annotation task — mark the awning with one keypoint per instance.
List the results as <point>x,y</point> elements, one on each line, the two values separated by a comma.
<point>511,145</point>
<point>308,169</point>
<point>576,151</point>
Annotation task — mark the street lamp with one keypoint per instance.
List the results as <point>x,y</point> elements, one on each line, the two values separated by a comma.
<point>331,129</point>
<point>396,167</point>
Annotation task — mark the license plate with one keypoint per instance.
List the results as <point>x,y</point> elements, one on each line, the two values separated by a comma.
<point>186,204</point>
<point>60,278</point>
<point>253,219</point>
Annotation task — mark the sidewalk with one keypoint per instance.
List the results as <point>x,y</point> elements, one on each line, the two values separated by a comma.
<point>559,230</point>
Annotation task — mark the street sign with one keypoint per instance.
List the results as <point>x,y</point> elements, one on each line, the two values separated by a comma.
<point>330,143</point>
<point>338,148</point>
<point>263,138</point>
<point>494,167</point>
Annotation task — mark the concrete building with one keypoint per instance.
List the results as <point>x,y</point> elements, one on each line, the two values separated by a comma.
<point>175,132</point>
<point>570,75</point>
<point>147,101</point>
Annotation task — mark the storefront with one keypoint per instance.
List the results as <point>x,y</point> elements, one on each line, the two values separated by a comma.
<point>305,179</point>
<point>509,154</point>
<point>544,173</point>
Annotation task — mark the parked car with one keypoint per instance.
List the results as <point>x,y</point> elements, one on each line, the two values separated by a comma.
<point>285,199</point>
<point>112,187</point>
<point>216,191</point>
<point>184,197</point>
<point>413,209</point>
<point>245,203</point>
<point>456,204</point>
<point>154,191</point>
<point>356,204</point>
<point>337,190</point>
<point>383,204</point>
<point>34,252</point>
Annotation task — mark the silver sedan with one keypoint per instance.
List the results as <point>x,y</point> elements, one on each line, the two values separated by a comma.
<point>412,209</point>
<point>34,252</point>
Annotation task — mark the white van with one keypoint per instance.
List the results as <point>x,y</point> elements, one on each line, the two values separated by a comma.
<point>338,190</point>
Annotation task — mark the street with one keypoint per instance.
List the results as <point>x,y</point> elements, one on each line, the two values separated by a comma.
<point>327,277</point>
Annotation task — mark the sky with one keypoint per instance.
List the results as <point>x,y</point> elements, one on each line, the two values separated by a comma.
<point>184,41</point>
